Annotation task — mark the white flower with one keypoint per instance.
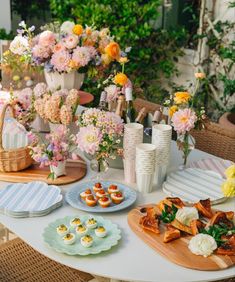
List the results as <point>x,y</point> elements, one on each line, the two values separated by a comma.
<point>19,45</point>
<point>186,215</point>
<point>22,24</point>
<point>67,27</point>
<point>202,244</point>
<point>112,92</point>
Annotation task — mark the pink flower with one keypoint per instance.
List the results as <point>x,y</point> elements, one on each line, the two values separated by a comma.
<point>25,97</point>
<point>112,92</point>
<point>40,89</point>
<point>81,56</point>
<point>46,38</point>
<point>184,120</point>
<point>92,51</point>
<point>70,41</point>
<point>89,139</point>
<point>41,52</point>
<point>60,60</point>
<point>58,47</point>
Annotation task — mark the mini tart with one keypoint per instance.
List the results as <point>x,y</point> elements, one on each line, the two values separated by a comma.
<point>85,193</point>
<point>104,202</point>
<point>91,201</point>
<point>91,223</point>
<point>117,197</point>
<point>75,221</point>
<point>100,232</point>
<point>112,189</point>
<point>97,187</point>
<point>86,241</point>
<point>69,238</point>
<point>101,193</point>
<point>62,230</point>
<point>81,229</point>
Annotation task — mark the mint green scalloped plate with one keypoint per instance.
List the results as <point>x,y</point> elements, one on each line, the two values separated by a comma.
<point>55,241</point>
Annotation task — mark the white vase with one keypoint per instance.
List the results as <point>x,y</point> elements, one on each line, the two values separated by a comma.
<point>68,81</point>
<point>40,125</point>
<point>58,170</point>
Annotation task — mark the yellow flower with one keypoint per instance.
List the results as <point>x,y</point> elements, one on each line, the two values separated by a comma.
<point>6,53</point>
<point>123,60</point>
<point>181,97</point>
<point>230,171</point>
<point>73,64</point>
<point>228,187</point>
<point>105,59</point>
<point>113,50</point>
<point>172,110</point>
<point>77,29</point>
<point>120,78</point>
<point>200,75</point>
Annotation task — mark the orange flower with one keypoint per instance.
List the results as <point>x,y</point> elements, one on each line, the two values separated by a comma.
<point>200,75</point>
<point>88,30</point>
<point>113,50</point>
<point>105,59</point>
<point>120,78</point>
<point>77,29</point>
<point>181,97</point>
<point>172,110</point>
<point>73,64</point>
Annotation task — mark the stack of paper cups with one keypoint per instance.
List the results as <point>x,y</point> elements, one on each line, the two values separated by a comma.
<point>133,135</point>
<point>161,138</point>
<point>145,166</point>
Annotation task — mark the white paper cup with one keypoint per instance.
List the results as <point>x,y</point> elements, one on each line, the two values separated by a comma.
<point>160,175</point>
<point>144,182</point>
<point>129,171</point>
<point>133,135</point>
<point>145,158</point>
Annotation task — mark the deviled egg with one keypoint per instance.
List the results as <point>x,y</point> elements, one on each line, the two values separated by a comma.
<point>87,241</point>
<point>62,229</point>
<point>100,232</point>
<point>75,221</point>
<point>91,223</point>
<point>69,238</point>
<point>81,229</point>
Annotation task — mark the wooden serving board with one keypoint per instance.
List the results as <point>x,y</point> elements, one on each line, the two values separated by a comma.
<point>75,170</point>
<point>176,251</point>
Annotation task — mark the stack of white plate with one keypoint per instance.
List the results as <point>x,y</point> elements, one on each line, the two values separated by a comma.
<point>29,200</point>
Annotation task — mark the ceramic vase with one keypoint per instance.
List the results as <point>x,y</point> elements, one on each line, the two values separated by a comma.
<point>56,80</point>
<point>58,170</point>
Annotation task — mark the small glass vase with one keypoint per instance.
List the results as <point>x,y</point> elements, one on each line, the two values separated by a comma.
<point>185,143</point>
<point>99,167</point>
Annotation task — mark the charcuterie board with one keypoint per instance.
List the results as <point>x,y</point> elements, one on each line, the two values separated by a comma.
<point>176,251</point>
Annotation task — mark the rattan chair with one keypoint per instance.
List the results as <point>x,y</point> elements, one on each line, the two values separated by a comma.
<point>21,263</point>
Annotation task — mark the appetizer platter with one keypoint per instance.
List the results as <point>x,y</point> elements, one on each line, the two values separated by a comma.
<point>81,235</point>
<point>193,184</point>
<point>194,236</point>
<point>106,196</point>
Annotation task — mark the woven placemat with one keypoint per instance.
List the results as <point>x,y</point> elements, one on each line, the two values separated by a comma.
<point>21,263</point>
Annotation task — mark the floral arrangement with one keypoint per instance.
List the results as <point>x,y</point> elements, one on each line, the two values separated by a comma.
<point>228,187</point>
<point>57,107</point>
<point>184,117</point>
<point>99,134</point>
<point>64,48</point>
<point>57,147</point>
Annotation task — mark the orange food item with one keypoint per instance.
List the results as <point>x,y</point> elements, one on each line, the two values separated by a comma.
<point>150,221</point>
<point>104,202</point>
<point>196,225</point>
<point>91,201</point>
<point>204,208</point>
<point>171,234</point>
<point>181,226</point>
<point>220,217</point>
<point>117,197</point>
<point>228,248</point>
<point>169,201</point>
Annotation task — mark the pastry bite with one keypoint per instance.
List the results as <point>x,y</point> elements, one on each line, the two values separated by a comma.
<point>87,241</point>
<point>81,229</point>
<point>69,238</point>
<point>85,193</point>
<point>171,234</point>
<point>91,201</point>
<point>117,197</point>
<point>97,187</point>
<point>101,193</point>
<point>112,189</point>
<point>91,223</point>
<point>75,221</point>
<point>204,208</point>
<point>62,229</point>
<point>104,202</point>
<point>100,232</point>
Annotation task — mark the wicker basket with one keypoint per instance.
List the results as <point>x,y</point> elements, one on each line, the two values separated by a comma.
<point>13,159</point>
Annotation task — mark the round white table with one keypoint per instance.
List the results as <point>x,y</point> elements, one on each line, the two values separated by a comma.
<point>131,259</point>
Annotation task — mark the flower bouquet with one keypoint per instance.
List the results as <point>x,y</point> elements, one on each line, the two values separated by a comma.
<point>58,107</point>
<point>184,117</point>
<point>99,135</point>
<point>67,49</point>
<point>54,150</point>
